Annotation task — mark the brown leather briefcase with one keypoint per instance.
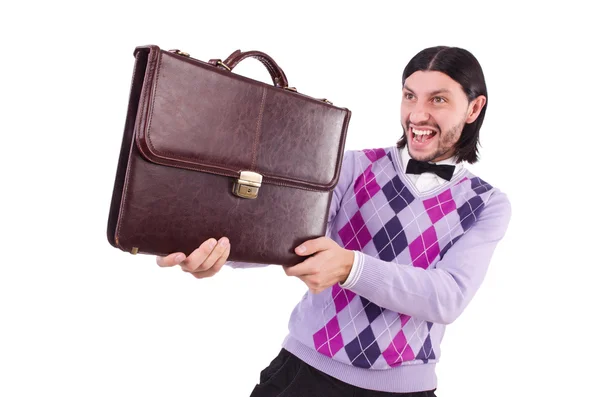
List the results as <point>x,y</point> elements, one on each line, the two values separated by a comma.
<point>210,153</point>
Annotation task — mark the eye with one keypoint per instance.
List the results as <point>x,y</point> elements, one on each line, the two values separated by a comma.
<point>438,99</point>
<point>408,95</point>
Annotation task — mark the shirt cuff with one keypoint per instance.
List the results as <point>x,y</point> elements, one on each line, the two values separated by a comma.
<point>355,271</point>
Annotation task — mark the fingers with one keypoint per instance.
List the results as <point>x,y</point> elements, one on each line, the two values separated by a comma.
<point>204,261</point>
<point>312,273</point>
<point>310,247</point>
<point>205,256</point>
<point>170,260</point>
<point>306,268</point>
<point>197,257</point>
<point>215,268</point>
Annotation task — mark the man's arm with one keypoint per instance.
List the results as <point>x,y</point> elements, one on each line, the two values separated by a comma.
<point>438,294</point>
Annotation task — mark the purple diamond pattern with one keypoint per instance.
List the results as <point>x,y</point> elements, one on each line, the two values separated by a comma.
<point>404,319</point>
<point>372,310</point>
<point>398,351</point>
<point>374,154</point>
<point>328,340</point>
<point>366,186</point>
<point>363,351</point>
<point>469,211</point>
<point>426,352</point>
<point>390,240</point>
<point>479,186</point>
<point>399,197</point>
<point>355,234</point>
<point>362,327</point>
<point>341,297</point>
<point>441,205</point>
<point>424,249</point>
<point>389,155</point>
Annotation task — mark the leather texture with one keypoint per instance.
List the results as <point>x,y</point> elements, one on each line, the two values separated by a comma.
<point>191,128</point>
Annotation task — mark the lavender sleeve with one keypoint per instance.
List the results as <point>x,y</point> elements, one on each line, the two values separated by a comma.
<point>344,183</point>
<point>437,294</point>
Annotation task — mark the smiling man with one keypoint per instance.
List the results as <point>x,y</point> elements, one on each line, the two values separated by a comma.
<point>410,237</point>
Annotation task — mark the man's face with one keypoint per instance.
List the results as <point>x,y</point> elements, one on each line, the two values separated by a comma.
<point>434,111</point>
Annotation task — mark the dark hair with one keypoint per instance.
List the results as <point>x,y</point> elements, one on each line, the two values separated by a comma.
<point>461,66</point>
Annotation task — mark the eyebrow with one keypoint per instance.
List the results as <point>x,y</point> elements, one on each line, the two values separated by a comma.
<point>432,93</point>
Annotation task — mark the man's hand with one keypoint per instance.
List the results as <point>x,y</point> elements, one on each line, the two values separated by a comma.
<point>205,261</point>
<point>329,265</point>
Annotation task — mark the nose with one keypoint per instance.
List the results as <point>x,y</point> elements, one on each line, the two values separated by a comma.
<point>418,116</point>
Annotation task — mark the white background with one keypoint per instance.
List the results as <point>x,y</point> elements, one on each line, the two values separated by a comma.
<point>80,318</point>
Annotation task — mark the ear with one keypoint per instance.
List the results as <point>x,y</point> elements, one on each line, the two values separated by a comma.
<point>475,108</point>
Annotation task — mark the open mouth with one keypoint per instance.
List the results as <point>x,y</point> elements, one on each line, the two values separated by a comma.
<point>422,136</point>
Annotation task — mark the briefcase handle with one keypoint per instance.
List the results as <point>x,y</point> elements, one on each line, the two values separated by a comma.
<point>237,56</point>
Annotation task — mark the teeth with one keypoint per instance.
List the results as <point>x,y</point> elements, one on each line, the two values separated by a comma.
<point>422,132</point>
<point>419,135</point>
<point>418,138</point>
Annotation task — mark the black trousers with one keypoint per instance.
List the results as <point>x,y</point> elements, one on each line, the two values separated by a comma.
<point>288,376</point>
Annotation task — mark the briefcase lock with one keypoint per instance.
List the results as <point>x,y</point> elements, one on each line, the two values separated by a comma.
<point>247,185</point>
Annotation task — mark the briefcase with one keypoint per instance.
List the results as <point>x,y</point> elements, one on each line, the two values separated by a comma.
<point>209,153</point>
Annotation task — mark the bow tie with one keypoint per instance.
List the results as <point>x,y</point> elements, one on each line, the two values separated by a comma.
<point>444,171</point>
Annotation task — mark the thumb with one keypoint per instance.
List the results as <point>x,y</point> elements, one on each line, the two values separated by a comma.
<point>310,247</point>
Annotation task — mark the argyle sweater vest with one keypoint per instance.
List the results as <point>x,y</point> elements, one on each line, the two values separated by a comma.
<point>393,315</point>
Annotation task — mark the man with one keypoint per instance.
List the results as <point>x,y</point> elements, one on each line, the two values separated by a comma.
<point>410,236</point>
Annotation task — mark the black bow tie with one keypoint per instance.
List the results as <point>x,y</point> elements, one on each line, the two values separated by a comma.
<point>418,167</point>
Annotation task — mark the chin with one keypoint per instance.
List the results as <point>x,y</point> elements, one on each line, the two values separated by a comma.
<point>420,155</point>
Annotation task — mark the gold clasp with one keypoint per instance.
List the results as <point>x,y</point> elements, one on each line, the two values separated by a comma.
<point>247,185</point>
